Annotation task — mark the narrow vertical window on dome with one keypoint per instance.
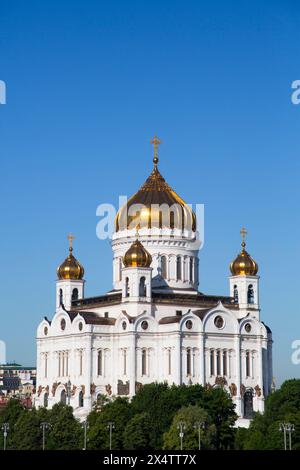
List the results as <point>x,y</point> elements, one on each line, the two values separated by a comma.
<point>235,294</point>
<point>250,294</point>
<point>178,268</point>
<point>191,269</point>
<point>172,219</point>
<point>212,362</point>
<point>142,287</point>
<point>60,296</point>
<point>218,363</point>
<point>144,362</point>
<point>120,269</point>
<point>126,287</point>
<point>164,267</point>
<point>75,294</point>
<point>188,362</point>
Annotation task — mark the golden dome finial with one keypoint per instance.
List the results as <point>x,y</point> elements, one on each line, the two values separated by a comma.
<point>243,265</point>
<point>70,268</point>
<point>155,142</point>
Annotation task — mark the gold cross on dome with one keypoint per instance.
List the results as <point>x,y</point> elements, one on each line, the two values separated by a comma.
<point>70,238</point>
<point>243,232</point>
<point>155,142</point>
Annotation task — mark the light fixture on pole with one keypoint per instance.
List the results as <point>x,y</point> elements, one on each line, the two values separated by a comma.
<point>5,429</point>
<point>181,427</point>
<point>110,426</point>
<point>85,425</point>
<point>44,426</point>
<point>199,425</point>
<point>287,428</point>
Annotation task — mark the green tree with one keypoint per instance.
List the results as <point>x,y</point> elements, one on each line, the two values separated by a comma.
<point>66,432</point>
<point>27,433</point>
<point>190,416</point>
<point>118,411</point>
<point>282,406</point>
<point>136,433</point>
<point>10,414</point>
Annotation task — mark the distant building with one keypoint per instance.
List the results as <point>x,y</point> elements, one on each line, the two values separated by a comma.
<point>17,381</point>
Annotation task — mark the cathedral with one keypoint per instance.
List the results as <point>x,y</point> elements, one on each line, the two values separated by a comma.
<point>155,325</point>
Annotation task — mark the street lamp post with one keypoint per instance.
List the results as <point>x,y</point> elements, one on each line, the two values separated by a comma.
<point>287,428</point>
<point>69,391</point>
<point>85,428</point>
<point>44,426</point>
<point>199,426</point>
<point>110,426</point>
<point>5,429</point>
<point>181,427</point>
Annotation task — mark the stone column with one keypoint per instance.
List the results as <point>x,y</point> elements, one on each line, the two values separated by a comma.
<point>237,347</point>
<point>201,359</point>
<point>177,366</point>
<point>132,364</point>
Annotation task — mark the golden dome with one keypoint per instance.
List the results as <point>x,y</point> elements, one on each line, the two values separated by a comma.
<point>70,268</point>
<point>156,204</point>
<point>137,256</point>
<point>243,265</point>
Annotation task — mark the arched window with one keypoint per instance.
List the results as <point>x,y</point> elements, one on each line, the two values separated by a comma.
<point>63,397</point>
<point>212,362</point>
<point>144,362</point>
<point>126,287</point>
<point>188,362</point>
<point>163,267</point>
<point>46,396</point>
<point>75,294</point>
<point>142,287</point>
<point>178,268</point>
<point>60,296</point>
<point>80,399</point>
<point>225,363</point>
<point>100,360</point>
<point>235,294</point>
<point>218,363</point>
<point>250,294</point>
<point>191,269</point>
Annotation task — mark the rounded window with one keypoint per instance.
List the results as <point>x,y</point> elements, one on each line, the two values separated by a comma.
<point>248,327</point>
<point>124,325</point>
<point>219,322</point>
<point>45,330</point>
<point>80,326</point>
<point>63,324</point>
<point>144,325</point>
<point>189,324</point>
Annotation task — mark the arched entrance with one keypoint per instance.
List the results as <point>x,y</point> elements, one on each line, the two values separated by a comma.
<point>248,404</point>
<point>63,397</point>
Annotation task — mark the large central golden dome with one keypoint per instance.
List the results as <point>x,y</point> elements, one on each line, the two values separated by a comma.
<point>156,205</point>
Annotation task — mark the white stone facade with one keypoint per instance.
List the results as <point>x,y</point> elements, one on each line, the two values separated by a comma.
<point>161,330</point>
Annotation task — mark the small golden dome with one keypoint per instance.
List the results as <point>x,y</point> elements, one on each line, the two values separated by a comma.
<point>70,268</point>
<point>156,205</point>
<point>243,265</point>
<point>137,256</point>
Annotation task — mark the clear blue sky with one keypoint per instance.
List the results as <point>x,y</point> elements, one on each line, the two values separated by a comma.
<point>89,83</point>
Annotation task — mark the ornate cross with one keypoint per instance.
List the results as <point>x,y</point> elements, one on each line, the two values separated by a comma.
<point>243,232</point>
<point>155,142</point>
<point>70,238</point>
